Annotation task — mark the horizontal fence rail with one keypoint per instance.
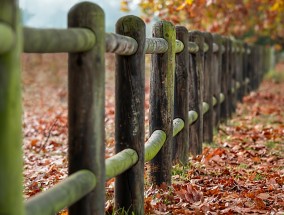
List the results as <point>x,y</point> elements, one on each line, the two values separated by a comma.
<point>58,40</point>
<point>82,39</point>
<point>196,80</point>
<point>62,195</point>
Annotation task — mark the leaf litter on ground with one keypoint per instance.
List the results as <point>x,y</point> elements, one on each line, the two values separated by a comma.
<point>242,172</point>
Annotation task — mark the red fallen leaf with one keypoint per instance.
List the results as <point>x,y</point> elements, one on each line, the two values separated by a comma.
<point>218,151</point>
<point>252,176</point>
<point>34,142</point>
<point>164,186</point>
<point>182,211</point>
<point>55,144</point>
<point>213,191</point>
<point>280,180</point>
<point>190,194</point>
<point>273,183</point>
<point>250,194</point>
<point>259,204</point>
<point>256,159</point>
<point>197,195</point>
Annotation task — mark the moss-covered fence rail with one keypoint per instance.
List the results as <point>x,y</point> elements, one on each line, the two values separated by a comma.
<point>196,80</point>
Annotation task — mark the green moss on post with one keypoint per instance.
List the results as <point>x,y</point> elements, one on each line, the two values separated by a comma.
<point>120,162</point>
<point>154,144</point>
<point>130,114</point>
<point>11,200</point>
<point>7,38</point>
<point>192,117</point>
<point>61,195</point>
<point>161,101</point>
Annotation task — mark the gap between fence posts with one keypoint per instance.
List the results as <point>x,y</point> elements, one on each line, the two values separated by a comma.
<point>161,101</point>
<point>11,177</point>
<point>129,115</point>
<point>208,88</point>
<point>86,100</point>
<point>180,142</point>
<point>195,93</point>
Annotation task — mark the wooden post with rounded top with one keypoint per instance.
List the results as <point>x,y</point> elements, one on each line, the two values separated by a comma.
<point>180,142</point>
<point>208,89</point>
<point>129,115</point>
<point>161,101</point>
<point>86,100</point>
<point>196,93</point>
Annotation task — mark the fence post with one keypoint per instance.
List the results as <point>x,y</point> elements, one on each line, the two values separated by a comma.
<point>129,115</point>
<point>245,69</point>
<point>196,92</point>
<point>180,142</point>
<point>161,101</point>
<point>254,66</point>
<point>217,79</point>
<point>224,109</point>
<point>11,177</point>
<point>208,89</point>
<point>250,68</point>
<point>239,67</point>
<point>86,84</point>
<point>233,76</point>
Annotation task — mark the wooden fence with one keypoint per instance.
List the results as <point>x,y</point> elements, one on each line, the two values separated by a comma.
<point>196,80</point>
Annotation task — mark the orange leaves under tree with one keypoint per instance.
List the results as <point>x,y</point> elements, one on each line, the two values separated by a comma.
<point>252,20</point>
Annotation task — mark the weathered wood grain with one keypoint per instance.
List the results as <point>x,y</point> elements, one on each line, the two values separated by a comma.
<point>161,101</point>
<point>86,100</point>
<point>180,142</point>
<point>208,89</point>
<point>217,79</point>
<point>196,70</point>
<point>224,109</point>
<point>120,44</point>
<point>130,115</point>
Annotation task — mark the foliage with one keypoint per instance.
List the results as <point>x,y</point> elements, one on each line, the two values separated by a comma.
<point>241,173</point>
<point>253,20</point>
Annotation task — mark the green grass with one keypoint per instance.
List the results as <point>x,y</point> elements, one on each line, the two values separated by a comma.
<point>211,145</point>
<point>272,75</point>
<point>180,170</point>
<point>270,144</point>
<point>243,166</point>
<point>258,177</point>
<point>121,211</point>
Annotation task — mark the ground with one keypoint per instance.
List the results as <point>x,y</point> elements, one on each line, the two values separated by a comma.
<point>241,172</point>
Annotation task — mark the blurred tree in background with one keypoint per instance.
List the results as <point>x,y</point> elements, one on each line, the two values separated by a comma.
<point>260,21</point>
